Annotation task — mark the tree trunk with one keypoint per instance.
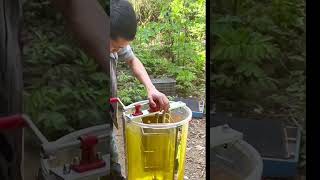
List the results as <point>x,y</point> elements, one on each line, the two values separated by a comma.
<point>11,86</point>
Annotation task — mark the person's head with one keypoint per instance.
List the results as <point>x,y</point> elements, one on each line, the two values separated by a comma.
<point>123,23</point>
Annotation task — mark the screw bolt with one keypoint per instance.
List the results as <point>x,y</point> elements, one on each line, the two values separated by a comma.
<point>99,156</point>
<point>66,169</point>
<point>76,161</point>
<point>225,128</point>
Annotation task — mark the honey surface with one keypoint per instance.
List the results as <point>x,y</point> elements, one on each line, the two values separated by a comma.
<point>155,154</point>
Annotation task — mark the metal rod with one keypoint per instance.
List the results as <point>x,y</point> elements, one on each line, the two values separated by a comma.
<point>123,106</point>
<point>52,147</point>
<point>38,133</point>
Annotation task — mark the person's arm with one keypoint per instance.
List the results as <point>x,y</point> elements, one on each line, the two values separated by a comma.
<point>90,25</point>
<point>141,74</point>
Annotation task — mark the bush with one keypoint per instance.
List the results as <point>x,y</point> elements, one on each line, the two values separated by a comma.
<point>259,59</point>
<point>64,90</point>
<point>170,43</point>
<point>254,50</point>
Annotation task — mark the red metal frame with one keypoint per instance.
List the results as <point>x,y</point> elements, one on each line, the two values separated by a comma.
<point>12,122</point>
<point>137,110</point>
<point>113,100</point>
<point>89,160</point>
<point>137,107</point>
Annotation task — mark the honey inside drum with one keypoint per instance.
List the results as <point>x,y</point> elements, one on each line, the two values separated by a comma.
<point>156,153</point>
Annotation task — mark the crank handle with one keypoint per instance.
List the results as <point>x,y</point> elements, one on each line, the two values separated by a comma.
<point>115,100</point>
<point>21,121</point>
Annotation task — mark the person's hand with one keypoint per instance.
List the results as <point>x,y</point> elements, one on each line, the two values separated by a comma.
<point>157,98</point>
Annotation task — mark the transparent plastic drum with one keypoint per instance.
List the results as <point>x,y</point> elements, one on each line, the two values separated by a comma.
<point>238,161</point>
<point>156,145</point>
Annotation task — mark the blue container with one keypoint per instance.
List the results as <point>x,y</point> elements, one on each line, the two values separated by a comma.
<point>196,106</point>
<point>274,167</point>
<point>278,144</point>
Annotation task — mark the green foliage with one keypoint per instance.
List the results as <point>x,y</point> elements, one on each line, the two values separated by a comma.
<point>170,43</point>
<point>258,54</point>
<point>129,88</point>
<point>148,10</point>
<point>245,52</point>
<point>255,49</point>
<point>64,90</point>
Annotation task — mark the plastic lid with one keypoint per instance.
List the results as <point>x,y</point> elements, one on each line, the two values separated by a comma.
<point>184,111</point>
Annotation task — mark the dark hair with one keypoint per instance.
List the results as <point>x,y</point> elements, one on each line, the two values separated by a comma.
<point>123,21</point>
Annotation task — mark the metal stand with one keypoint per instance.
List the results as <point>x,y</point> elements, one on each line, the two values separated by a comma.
<point>91,164</point>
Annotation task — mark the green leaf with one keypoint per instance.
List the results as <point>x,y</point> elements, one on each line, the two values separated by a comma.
<point>54,120</point>
<point>99,77</point>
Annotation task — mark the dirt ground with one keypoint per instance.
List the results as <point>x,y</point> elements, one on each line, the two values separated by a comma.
<point>196,153</point>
